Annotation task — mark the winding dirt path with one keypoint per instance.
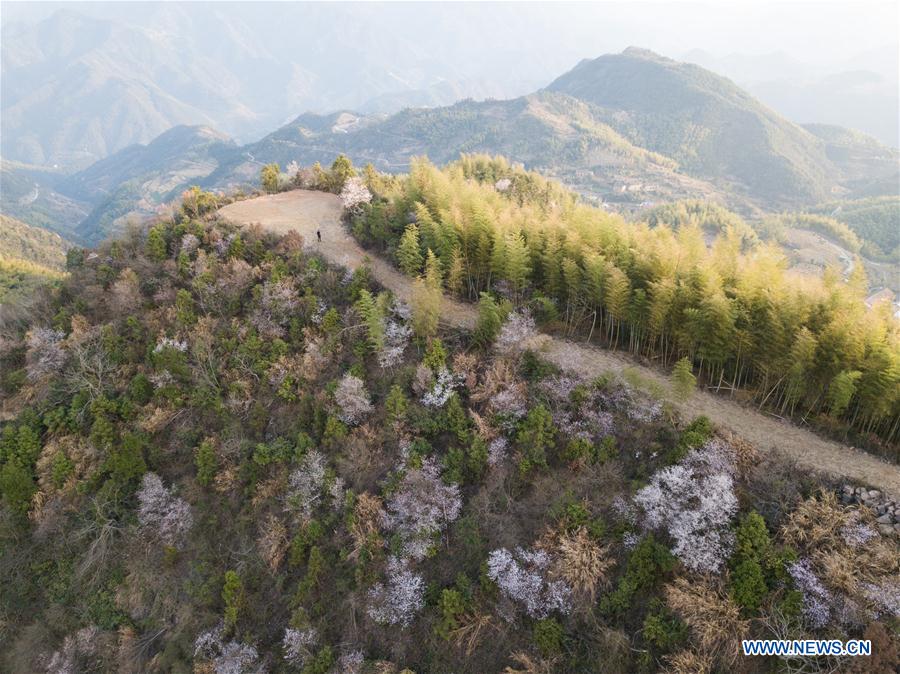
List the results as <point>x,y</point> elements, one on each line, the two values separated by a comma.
<point>306,212</point>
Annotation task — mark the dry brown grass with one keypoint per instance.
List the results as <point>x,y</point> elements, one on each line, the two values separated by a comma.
<point>273,542</point>
<point>527,664</point>
<point>688,662</point>
<point>814,530</point>
<point>367,516</point>
<point>715,621</point>
<point>499,377</point>
<point>472,627</point>
<point>581,562</point>
<point>746,455</point>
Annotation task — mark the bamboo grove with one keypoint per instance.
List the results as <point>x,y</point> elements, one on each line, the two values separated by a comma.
<point>802,347</point>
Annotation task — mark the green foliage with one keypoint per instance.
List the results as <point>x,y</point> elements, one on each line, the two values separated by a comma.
<point>322,663</point>
<point>548,635</point>
<point>17,486</point>
<point>490,320</point>
<point>683,380</point>
<point>396,404</point>
<point>341,170</point>
<point>436,355</point>
<point>647,566</point>
<point>663,630</point>
<point>268,177</point>
<point>696,434</point>
<point>233,597</point>
<point>409,252</point>
<point>535,436</point>
<point>452,605</point>
<point>753,555</point>
<point>156,247</point>
<point>206,462</point>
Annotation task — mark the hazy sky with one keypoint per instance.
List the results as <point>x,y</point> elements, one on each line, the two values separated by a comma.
<point>814,32</point>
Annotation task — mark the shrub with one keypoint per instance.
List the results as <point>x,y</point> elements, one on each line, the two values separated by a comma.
<point>233,597</point>
<point>548,636</point>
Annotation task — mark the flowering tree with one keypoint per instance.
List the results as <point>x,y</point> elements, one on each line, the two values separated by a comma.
<point>421,507</point>
<point>355,193</point>
<point>352,399</point>
<point>400,599</point>
<point>441,390</point>
<point>694,501</point>
<point>45,354</point>
<point>522,576</point>
<point>230,657</point>
<point>306,483</point>
<point>518,334</point>
<point>278,302</point>
<point>297,645</point>
<point>817,599</point>
<point>168,516</point>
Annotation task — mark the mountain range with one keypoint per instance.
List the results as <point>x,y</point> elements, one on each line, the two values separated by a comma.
<point>629,130</point>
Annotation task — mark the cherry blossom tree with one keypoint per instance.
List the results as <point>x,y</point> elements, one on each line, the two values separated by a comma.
<point>297,645</point>
<point>355,193</point>
<point>161,512</point>
<point>45,353</point>
<point>397,601</point>
<point>694,501</point>
<point>422,506</point>
<point>352,399</point>
<point>232,657</point>
<point>306,484</point>
<point>522,576</point>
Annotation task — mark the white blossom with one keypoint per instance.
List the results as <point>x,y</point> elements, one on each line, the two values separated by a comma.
<point>278,302</point>
<point>351,662</point>
<point>227,658</point>
<point>168,516</point>
<point>352,399</point>
<point>297,645</point>
<point>517,334</point>
<point>817,600</point>
<point>305,484</point>
<point>45,354</point>
<point>396,339</point>
<point>441,390</point>
<point>857,534</point>
<point>189,243</point>
<point>885,596</point>
<point>421,507</point>
<point>497,451</point>
<point>694,501</point>
<point>164,343</point>
<point>355,193</point>
<point>400,599</point>
<point>522,577</point>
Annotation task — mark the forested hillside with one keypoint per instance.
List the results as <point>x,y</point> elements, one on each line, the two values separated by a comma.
<point>29,257</point>
<point>225,455</point>
<point>805,347</point>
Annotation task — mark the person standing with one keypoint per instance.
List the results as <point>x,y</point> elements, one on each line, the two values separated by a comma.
<point>319,235</point>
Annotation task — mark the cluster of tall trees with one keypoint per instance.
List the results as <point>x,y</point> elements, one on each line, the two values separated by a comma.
<point>803,347</point>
